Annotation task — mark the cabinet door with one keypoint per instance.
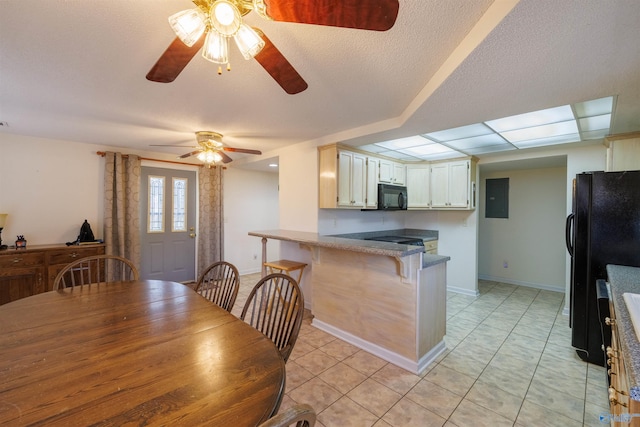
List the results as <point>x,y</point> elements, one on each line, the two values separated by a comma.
<point>345,162</point>
<point>372,184</point>
<point>459,184</point>
<point>16,283</point>
<point>399,174</point>
<point>352,179</point>
<point>385,174</point>
<point>418,186</point>
<point>358,180</point>
<point>440,185</point>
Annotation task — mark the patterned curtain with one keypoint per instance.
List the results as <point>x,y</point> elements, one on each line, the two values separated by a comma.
<point>122,206</point>
<point>210,229</point>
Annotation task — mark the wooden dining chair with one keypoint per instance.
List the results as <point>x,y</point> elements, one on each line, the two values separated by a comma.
<point>300,415</point>
<point>96,269</point>
<point>219,283</point>
<point>275,307</point>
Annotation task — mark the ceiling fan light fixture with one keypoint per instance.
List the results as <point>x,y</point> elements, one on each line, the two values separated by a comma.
<point>216,48</point>
<point>189,25</point>
<point>209,156</point>
<point>248,41</point>
<point>225,17</point>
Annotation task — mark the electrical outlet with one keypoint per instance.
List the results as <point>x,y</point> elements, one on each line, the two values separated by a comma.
<point>505,264</point>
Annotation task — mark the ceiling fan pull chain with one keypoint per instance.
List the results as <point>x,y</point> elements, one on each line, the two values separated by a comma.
<point>228,66</point>
<point>219,70</point>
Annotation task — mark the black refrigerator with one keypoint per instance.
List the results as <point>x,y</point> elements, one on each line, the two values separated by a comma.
<point>603,228</point>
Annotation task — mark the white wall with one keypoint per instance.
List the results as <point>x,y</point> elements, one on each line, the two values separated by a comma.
<point>49,188</point>
<point>531,239</point>
<point>250,204</point>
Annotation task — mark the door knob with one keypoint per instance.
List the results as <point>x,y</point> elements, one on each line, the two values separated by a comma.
<point>192,235</point>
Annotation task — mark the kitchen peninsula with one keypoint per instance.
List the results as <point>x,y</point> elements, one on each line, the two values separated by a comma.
<point>386,298</point>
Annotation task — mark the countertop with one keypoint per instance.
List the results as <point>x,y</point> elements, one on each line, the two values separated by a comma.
<point>626,279</point>
<point>352,244</point>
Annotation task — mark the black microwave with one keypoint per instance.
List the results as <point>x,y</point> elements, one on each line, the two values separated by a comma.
<point>392,197</point>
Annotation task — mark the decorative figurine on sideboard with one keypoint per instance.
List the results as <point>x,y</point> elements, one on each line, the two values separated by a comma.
<point>3,222</point>
<point>21,242</point>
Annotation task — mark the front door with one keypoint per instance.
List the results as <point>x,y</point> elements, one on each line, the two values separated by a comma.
<point>168,223</point>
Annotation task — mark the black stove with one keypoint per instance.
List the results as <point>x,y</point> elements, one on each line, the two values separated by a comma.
<point>403,240</point>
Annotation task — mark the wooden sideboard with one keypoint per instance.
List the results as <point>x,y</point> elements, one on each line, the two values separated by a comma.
<point>30,271</point>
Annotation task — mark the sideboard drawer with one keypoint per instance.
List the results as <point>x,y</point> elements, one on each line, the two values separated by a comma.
<point>16,259</point>
<point>65,256</point>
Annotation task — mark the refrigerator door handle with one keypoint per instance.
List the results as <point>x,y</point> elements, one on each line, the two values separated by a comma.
<point>568,233</point>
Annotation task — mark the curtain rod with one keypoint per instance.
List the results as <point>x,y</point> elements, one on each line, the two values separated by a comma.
<point>102,154</point>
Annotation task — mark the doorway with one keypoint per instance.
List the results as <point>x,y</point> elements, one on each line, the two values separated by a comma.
<point>168,209</point>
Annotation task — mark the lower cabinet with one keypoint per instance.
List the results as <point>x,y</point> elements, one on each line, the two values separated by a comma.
<point>624,410</point>
<point>30,271</point>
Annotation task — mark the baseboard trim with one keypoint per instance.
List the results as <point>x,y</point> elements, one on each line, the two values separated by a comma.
<point>415,367</point>
<point>463,291</point>
<point>522,283</point>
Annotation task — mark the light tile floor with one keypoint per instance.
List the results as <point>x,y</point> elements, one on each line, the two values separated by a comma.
<point>508,363</point>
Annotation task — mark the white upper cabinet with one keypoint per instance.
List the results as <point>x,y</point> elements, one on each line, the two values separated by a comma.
<point>352,179</point>
<point>418,194</point>
<point>453,184</point>
<point>391,172</point>
<point>347,179</point>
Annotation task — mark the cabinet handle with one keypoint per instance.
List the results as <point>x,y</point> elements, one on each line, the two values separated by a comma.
<point>15,260</point>
<point>73,255</point>
<point>614,399</point>
<point>609,321</point>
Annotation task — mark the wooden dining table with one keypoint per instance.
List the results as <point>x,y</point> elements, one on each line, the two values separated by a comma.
<point>148,352</point>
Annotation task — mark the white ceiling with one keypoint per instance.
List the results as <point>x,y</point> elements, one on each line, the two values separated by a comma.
<point>75,70</point>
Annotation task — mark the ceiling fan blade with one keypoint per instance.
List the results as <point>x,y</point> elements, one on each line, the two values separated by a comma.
<point>378,15</point>
<point>274,62</point>
<point>173,61</point>
<point>184,156</point>
<point>242,150</point>
<point>180,146</point>
<point>225,158</point>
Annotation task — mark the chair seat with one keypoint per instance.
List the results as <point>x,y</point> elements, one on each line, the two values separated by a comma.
<point>286,266</point>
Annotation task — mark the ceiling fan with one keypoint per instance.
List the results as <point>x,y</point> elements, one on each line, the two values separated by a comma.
<point>210,148</point>
<point>213,22</point>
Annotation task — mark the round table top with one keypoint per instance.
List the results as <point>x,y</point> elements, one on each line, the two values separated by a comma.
<point>146,352</point>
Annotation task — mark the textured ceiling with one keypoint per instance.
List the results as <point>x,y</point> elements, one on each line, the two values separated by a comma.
<point>75,70</point>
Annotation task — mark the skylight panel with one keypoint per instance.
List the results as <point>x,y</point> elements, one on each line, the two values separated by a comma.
<point>396,144</point>
<point>595,107</point>
<point>476,141</point>
<point>595,123</point>
<point>490,149</point>
<point>549,140</point>
<point>373,148</point>
<point>533,119</point>
<point>459,133</point>
<point>540,132</point>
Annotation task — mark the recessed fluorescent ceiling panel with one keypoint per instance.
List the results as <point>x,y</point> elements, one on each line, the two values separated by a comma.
<point>559,125</point>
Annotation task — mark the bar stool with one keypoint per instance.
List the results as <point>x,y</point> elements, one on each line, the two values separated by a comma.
<point>286,266</point>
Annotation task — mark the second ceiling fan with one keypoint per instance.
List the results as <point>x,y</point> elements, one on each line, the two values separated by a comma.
<point>213,22</point>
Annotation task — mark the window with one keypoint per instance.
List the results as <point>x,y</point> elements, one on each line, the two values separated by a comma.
<point>156,204</point>
<point>178,221</point>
